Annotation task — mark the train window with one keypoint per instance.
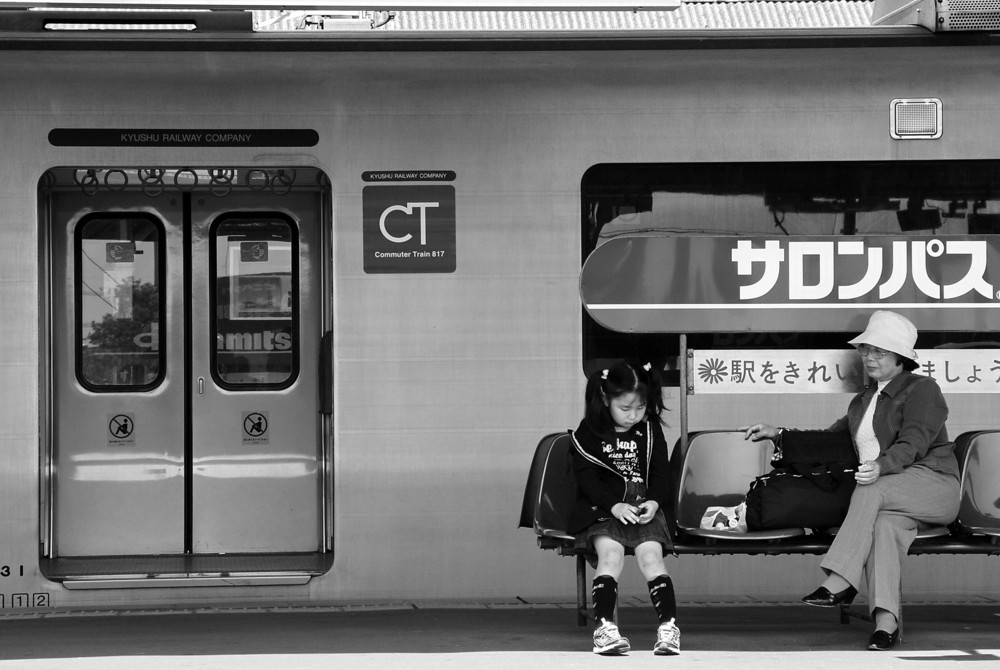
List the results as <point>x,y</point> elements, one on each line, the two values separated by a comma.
<point>119,302</point>
<point>871,198</point>
<point>255,301</point>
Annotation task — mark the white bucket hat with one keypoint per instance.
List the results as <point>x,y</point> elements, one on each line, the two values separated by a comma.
<point>889,331</point>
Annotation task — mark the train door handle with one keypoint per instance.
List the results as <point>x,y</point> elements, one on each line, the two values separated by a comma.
<point>201,386</point>
<point>326,373</point>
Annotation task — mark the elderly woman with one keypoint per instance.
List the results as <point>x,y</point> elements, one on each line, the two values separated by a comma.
<point>908,474</point>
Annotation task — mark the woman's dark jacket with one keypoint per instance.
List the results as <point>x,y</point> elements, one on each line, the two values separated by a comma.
<point>909,424</point>
<point>601,486</point>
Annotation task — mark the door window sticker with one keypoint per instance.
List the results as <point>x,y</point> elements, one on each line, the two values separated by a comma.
<point>121,429</point>
<point>255,428</point>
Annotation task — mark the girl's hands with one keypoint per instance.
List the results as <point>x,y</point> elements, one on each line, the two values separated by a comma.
<point>640,514</point>
<point>625,513</point>
<point>648,511</point>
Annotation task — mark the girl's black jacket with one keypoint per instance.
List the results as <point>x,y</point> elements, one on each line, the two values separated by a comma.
<point>601,486</point>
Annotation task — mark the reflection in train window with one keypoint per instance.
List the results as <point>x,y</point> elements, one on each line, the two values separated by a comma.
<point>896,198</point>
<point>255,274</point>
<point>782,199</point>
<point>119,286</point>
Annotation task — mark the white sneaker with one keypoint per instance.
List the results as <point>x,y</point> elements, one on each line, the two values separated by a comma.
<point>608,641</point>
<point>668,639</point>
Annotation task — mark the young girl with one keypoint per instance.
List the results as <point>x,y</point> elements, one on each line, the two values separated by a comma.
<point>621,464</point>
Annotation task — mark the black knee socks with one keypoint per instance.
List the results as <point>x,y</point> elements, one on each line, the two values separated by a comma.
<point>661,593</point>
<point>605,595</point>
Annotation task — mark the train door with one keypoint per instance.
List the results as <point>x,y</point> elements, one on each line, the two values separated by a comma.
<point>187,311</point>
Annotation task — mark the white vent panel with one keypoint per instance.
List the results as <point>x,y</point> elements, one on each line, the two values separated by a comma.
<point>915,119</point>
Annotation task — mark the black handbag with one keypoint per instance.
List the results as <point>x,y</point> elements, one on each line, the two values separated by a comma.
<point>813,447</point>
<point>811,483</point>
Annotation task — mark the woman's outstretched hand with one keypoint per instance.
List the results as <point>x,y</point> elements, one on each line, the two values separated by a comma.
<point>759,431</point>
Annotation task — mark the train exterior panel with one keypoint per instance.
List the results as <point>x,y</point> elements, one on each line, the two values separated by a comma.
<point>442,377</point>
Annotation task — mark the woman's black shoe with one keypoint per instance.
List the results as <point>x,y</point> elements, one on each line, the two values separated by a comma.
<point>822,597</point>
<point>883,641</point>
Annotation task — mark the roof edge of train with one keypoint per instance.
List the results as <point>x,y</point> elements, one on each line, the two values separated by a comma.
<point>896,36</point>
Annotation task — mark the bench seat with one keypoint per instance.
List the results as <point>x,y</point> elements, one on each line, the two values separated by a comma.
<point>716,468</point>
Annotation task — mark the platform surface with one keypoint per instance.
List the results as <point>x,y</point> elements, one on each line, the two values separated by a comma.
<point>485,636</point>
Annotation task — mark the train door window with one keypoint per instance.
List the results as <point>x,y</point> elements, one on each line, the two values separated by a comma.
<point>255,275</point>
<point>119,302</point>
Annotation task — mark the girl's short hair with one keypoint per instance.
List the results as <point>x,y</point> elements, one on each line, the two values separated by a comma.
<point>617,380</point>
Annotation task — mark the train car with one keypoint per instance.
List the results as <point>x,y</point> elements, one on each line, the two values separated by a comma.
<point>284,315</point>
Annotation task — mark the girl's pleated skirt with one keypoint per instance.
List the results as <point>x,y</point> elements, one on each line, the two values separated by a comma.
<point>628,535</point>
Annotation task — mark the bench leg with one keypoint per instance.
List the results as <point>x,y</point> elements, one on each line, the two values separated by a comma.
<point>581,591</point>
<point>848,612</point>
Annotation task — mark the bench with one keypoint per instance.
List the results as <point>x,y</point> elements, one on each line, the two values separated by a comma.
<point>716,468</point>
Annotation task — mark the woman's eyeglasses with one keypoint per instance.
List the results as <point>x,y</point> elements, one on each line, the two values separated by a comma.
<point>865,351</point>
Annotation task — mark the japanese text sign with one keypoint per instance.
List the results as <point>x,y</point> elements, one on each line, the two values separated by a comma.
<point>822,283</point>
<point>831,370</point>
